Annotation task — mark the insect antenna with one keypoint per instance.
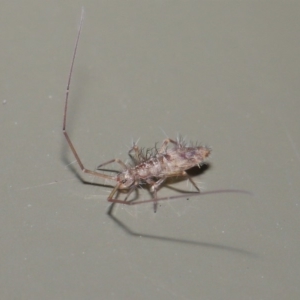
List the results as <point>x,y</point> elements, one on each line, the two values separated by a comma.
<point>186,195</point>
<point>83,169</point>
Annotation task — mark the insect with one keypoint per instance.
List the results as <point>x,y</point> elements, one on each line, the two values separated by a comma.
<point>151,167</point>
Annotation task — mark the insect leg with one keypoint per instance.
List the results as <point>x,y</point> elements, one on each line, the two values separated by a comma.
<point>154,188</point>
<point>132,188</point>
<point>137,153</point>
<point>111,195</point>
<point>165,144</point>
<point>116,160</point>
<point>184,173</point>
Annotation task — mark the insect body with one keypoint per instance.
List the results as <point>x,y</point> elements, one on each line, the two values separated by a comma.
<point>158,165</point>
<point>165,162</point>
<point>151,167</point>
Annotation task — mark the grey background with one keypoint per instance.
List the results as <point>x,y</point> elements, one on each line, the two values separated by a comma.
<point>224,73</point>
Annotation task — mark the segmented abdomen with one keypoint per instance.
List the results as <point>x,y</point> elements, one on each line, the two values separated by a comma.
<point>173,161</point>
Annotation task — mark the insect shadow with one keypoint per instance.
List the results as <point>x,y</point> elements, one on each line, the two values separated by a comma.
<point>216,246</point>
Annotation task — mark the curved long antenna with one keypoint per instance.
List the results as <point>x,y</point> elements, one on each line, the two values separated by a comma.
<point>83,169</point>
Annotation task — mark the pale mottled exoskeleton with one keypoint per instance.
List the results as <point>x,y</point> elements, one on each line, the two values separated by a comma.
<point>152,167</point>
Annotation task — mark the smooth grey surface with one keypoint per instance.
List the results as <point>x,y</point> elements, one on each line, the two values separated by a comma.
<point>225,73</point>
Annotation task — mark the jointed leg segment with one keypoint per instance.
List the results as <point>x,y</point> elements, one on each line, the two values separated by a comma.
<point>165,144</point>
<point>116,160</point>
